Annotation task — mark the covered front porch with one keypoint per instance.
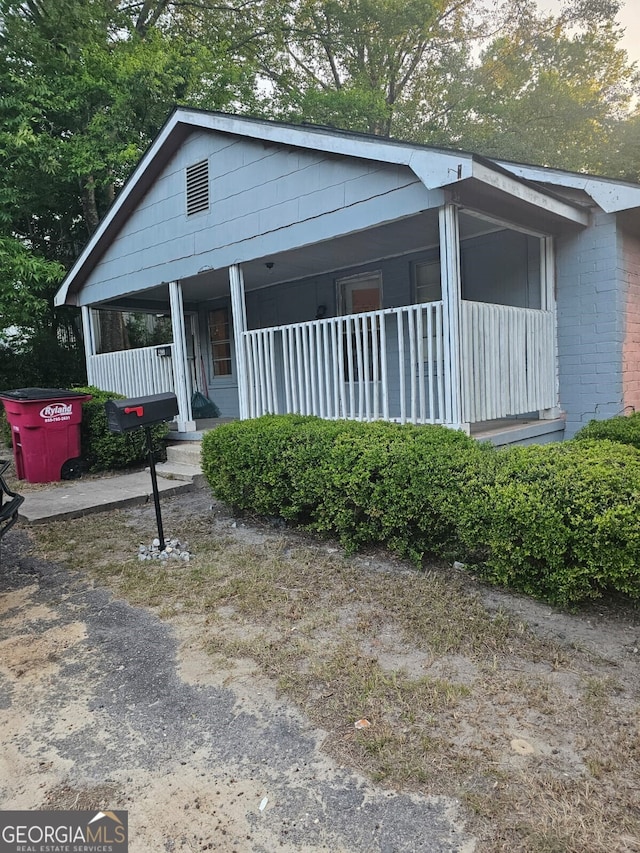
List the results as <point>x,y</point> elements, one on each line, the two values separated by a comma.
<point>462,331</point>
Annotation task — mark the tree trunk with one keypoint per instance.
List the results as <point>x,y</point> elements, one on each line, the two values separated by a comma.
<point>89,206</point>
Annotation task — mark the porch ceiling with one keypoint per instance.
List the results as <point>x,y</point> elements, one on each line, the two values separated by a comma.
<point>366,247</point>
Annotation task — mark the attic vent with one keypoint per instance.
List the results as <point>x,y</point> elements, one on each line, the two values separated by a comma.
<point>197,187</point>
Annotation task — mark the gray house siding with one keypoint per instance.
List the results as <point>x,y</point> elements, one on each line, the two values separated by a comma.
<point>264,199</point>
<point>590,323</point>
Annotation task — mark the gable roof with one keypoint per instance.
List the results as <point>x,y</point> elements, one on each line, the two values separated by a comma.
<point>435,168</point>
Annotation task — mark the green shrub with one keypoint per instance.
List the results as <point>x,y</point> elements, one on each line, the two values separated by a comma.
<point>104,450</point>
<point>624,429</point>
<point>397,485</point>
<point>5,429</point>
<point>561,521</point>
<point>558,521</point>
<point>364,482</point>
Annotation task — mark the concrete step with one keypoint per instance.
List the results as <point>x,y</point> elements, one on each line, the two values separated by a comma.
<point>184,453</point>
<point>180,471</point>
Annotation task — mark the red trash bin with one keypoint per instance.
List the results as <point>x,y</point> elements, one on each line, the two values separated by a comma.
<point>45,431</point>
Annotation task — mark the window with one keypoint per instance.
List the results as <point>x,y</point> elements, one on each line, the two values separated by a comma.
<point>428,285</point>
<point>360,293</point>
<point>429,289</point>
<point>220,337</point>
<point>197,187</point>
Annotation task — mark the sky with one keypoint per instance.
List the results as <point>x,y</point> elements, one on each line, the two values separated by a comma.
<point>629,17</point>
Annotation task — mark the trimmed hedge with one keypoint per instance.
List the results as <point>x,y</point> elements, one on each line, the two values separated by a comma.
<point>561,521</point>
<point>364,482</point>
<point>558,521</point>
<point>103,450</point>
<point>624,429</point>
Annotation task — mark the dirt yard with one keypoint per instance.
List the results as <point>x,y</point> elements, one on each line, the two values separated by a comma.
<point>217,699</point>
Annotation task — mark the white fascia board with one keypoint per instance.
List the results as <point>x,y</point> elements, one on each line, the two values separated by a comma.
<point>529,194</point>
<point>610,195</point>
<point>434,167</point>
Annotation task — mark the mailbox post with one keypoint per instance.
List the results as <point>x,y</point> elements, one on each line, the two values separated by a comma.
<point>144,412</point>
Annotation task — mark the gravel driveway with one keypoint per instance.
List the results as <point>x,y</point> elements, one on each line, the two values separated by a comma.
<point>98,709</point>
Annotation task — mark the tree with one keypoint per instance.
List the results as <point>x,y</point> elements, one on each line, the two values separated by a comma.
<point>546,93</point>
<point>86,85</point>
<point>352,62</point>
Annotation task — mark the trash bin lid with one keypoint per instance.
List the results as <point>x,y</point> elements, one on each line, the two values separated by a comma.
<point>41,394</point>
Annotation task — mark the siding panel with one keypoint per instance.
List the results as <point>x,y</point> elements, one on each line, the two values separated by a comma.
<point>265,199</point>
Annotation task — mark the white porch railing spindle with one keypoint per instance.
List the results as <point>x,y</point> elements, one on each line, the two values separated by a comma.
<point>328,412</point>
<point>376,366</point>
<point>358,324</point>
<point>429,357</point>
<point>421,358</point>
<point>383,368</point>
<point>412,363</point>
<point>299,374</point>
<point>401,368</point>
<point>286,359</point>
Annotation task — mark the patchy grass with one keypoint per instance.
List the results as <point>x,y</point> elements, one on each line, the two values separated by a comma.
<point>451,689</point>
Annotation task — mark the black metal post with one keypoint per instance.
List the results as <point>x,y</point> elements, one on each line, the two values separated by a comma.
<point>154,483</point>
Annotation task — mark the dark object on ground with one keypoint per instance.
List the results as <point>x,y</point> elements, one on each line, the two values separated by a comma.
<point>8,508</point>
<point>202,407</point>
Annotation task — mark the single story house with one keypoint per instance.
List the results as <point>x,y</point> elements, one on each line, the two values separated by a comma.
<point>308,269</point>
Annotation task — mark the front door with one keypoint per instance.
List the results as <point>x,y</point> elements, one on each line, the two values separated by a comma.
<point>360,293</point>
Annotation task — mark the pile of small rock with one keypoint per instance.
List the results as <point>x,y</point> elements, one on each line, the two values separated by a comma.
<point>173,549</point>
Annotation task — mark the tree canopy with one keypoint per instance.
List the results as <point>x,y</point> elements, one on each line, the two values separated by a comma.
<point>86,84</point>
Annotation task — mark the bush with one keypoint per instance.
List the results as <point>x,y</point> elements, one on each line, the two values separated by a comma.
<point>104,450</point>
<point>364,482</point>
<point>561,521</point>
<point>624,429</point>
<point>558,521</point>
<point>5,429</point>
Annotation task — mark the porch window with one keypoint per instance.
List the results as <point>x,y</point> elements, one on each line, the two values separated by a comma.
<point>220,337</point>
<point>428,284</point>
<point>429,289</point>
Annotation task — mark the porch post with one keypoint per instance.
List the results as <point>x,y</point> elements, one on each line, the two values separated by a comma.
<point>451,298</point>
<point>89,339</point>
<point>180,363</point>
<point>548,303</point>
<point>239,315</point>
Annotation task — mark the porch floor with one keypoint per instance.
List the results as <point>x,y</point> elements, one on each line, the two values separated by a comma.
<point>508,431</point>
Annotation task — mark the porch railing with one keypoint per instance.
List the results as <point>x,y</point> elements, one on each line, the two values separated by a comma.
<point>508,361</point>
<point>386,365</point>
<point>393,365</point>
<point>134,372</point>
